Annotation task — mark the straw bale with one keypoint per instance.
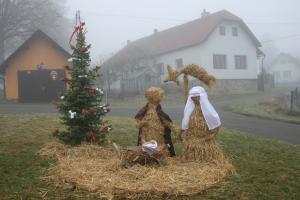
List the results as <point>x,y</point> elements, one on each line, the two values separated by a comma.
<point>99,170</point>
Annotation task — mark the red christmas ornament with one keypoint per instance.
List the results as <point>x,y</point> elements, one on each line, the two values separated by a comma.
<point>91,136</point>
<point>91,90</point>
<point>91,110</point>
<point>104,129</point>
<point>83,49</point>
<point>55,132</point>
<point>97,68</point>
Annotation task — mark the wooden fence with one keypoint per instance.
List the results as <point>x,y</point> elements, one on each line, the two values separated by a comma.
<point>295,99</point>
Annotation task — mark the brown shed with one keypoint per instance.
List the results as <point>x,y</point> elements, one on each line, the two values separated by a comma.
<point>34,71</point>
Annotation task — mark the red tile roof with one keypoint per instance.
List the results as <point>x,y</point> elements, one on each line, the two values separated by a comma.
<point>186,35</point>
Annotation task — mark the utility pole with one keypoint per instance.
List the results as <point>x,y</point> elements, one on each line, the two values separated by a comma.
<point>262,74</point>
<point>77,18</point>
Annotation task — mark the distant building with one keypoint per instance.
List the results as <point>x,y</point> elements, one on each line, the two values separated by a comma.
<point>285,68</point>
<point>33,72</point>
<point>220,42</point>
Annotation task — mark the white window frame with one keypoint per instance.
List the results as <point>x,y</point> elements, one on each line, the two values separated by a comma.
<point>219,61</point>
<point>240,61</point>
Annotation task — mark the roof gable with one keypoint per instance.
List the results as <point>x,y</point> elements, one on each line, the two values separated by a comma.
<point>285,58</point>
<point>36,35</point>
<point>186,35</point>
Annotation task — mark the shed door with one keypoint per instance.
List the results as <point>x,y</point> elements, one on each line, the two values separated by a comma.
<point>40,85</point>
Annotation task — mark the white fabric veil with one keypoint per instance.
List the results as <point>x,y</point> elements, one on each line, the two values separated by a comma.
<point>211,116</point>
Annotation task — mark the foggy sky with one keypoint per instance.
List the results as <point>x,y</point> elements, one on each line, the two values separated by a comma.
<point>112,22</point>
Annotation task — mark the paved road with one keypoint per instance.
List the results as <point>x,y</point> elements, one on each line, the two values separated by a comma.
<point>267,128</point>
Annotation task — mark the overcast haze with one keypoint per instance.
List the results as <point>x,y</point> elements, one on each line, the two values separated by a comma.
<point>112,22</point>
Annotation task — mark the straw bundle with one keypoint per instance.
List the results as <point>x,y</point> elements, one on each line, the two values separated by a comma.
<point>193,70</point>
<point>195,149</point>
<point>152,125</point>
<point>101,173</point>
<point>199,143</point>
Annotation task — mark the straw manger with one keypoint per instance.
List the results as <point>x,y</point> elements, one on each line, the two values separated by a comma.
<point>100,171</point>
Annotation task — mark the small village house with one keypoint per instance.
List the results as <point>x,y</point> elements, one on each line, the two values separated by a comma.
<point>286,69</point>
<point>220,42</point>
<point>34,71</point>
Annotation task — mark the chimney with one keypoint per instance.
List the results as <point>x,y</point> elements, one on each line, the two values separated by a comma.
<point>204,13</point>
<point>155,31</point>
<point>128,42</point>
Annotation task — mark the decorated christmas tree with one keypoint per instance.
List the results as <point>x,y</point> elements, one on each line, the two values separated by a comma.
<point>81,108</point>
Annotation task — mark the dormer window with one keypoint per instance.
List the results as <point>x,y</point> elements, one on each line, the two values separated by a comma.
<point>222,30</point>
<point>235,32</point>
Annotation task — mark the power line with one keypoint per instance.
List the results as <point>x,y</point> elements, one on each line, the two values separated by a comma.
<point>282,38</point>
<point>135,17</point>
<point>185,20</point>
<point>175,19</point>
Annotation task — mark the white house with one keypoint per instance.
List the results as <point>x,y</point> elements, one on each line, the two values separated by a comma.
<point>220,42</point>
<point>285,68</point>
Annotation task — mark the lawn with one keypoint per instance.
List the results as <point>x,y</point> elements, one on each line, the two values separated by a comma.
<point>265,111</point>
<point>265,169</point>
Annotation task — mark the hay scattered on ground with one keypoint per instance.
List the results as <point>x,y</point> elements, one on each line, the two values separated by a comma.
<point>98,170</point>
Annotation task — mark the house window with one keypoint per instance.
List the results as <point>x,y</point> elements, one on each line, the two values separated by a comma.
<point>160,68</point>
<point>222,30</point>
<point>240,61</point>
<point>235,31</point>
<point>220,61</point>
<point>179,62</point>
<point>287,74</point>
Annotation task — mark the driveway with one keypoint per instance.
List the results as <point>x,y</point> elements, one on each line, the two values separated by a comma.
<point>267,128</point>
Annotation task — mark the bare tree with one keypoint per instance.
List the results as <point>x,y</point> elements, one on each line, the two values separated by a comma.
<point>127,60</point>
<point>20,18</point>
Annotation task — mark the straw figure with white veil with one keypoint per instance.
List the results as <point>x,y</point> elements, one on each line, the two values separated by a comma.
<point>201,122</point>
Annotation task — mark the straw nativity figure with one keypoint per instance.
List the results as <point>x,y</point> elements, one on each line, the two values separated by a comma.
<point>201,122</point>
<point>154,124</point>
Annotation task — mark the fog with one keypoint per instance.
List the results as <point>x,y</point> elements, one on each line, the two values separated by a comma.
<point>275,23</point>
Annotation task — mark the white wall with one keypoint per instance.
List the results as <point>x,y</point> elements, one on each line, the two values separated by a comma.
<point>218,44</point>
<point>280,68</point>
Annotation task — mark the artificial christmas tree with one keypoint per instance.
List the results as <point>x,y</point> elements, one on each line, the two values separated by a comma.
<point>80,106</point>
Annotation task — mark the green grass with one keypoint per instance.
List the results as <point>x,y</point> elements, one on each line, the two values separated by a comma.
<point>265,169</point>
<point>265,111</point>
